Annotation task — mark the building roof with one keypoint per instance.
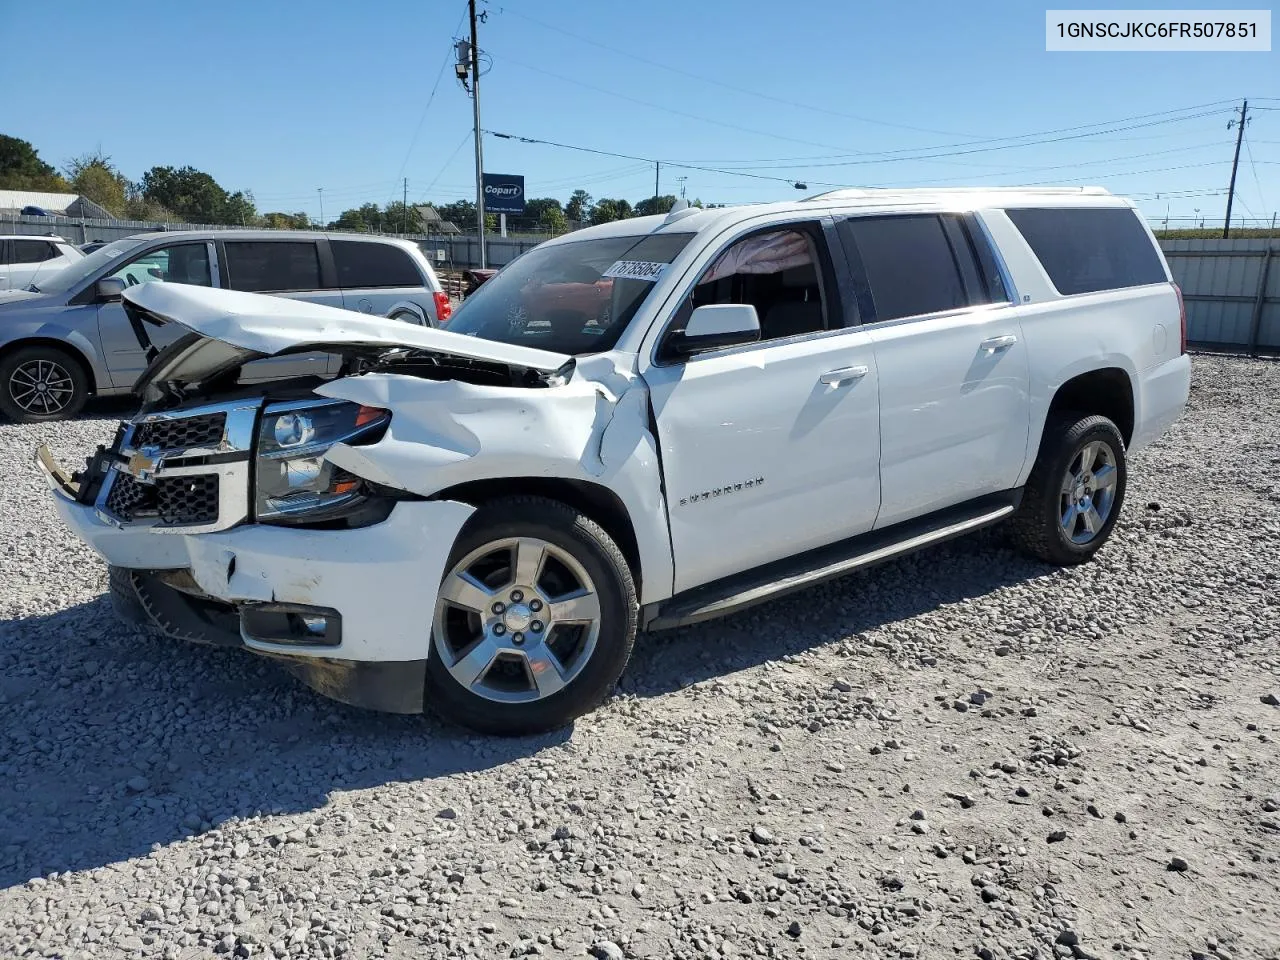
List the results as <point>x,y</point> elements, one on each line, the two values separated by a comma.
<point>59,204</point>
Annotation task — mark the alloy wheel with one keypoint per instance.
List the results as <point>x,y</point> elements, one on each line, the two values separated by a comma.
<point>516,620</point>
<point>41,387</point>
<point>1088,491</point>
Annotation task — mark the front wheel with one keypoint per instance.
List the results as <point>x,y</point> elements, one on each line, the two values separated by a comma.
<point>41,383</point>
<point>534,621</point>
<point>1072,499</point>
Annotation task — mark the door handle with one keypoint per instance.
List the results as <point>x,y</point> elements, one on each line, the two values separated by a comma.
<point>996,344</point>
<point>843,375</point>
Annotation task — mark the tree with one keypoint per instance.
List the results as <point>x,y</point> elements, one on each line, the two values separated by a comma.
<point>607,210</point>
<point>366,218</point>
<point>196,196</point>
<point>397,219</point>
<point>578,208</point>
<point>93,175</point>
<point>22,169</point>
<point>286,221</point>
<point>653,205</point>
<point>240,208</point>
<point>541,213</point>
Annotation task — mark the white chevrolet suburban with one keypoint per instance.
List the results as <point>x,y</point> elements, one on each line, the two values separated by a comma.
<point>635,426</point>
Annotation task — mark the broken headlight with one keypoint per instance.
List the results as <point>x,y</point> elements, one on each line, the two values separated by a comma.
<point>294,481</point>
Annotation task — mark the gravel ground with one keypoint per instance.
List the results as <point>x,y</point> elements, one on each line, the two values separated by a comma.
<point>962,754</point>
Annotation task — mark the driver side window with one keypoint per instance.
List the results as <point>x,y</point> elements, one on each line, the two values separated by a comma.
<point>778,272</point>
<point>181,263</point>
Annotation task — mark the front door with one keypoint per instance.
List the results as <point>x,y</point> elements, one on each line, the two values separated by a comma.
<point>176,263</point>
<point>772,448</point>
<point>952,361</point>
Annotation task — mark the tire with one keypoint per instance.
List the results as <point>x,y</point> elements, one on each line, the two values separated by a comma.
<point>1052,522</point>
<point>39,384</point>
<point>404,316</point>
<point>124,597</point>
<point>491,668</point>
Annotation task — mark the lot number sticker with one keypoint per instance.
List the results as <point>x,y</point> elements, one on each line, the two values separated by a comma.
<point>636,270</point>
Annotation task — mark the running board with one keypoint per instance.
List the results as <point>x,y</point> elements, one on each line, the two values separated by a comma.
<point>826,563</point>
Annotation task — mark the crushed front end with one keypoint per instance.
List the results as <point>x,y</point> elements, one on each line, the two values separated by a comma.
<point>223,523</point>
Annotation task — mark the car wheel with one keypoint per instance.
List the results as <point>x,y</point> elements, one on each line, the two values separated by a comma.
<point>406,316</point>
<point>534,621</point>
<point>1073,497</point>
<point>39,383</point>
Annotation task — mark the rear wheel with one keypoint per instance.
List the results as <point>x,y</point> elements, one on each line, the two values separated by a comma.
<point>39,384</point>
<point>1073,497</point>
<point>534,621</point>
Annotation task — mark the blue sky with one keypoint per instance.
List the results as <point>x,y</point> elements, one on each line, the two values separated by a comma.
<point>284,98</point>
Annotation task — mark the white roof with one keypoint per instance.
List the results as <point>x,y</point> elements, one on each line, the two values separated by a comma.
<point>53,202</point>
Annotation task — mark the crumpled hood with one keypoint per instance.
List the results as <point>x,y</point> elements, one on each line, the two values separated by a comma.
<point>264,326</point>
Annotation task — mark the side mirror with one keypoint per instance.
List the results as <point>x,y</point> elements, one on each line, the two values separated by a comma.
<point>109,289</point>
<point>716,325</point>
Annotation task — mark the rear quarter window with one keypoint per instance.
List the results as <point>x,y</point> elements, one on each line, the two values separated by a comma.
<point>368,264</point>
<point>1086,250</point>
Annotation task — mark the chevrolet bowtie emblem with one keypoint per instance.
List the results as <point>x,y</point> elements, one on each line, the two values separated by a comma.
<point>140,464</point>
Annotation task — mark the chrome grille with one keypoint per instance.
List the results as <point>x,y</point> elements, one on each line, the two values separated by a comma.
<point>127,497</point>
<point>181,433</point>
<point>187,500</point>
<point>162,477</point>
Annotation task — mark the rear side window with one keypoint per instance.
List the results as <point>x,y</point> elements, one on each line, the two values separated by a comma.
<point>272,265</point>
<point>1084,251</point>
<point>908,265</point>
<point>370,264</point>
<point>33,251</point>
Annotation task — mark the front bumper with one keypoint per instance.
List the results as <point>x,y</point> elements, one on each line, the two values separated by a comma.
<point>381,579</point>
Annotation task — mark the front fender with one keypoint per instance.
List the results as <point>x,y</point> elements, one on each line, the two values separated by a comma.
<point>446,433</point>
<point>16,331</point>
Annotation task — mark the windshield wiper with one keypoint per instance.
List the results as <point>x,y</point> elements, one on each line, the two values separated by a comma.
<point>32,288</point>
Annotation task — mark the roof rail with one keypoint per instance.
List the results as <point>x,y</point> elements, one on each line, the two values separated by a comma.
<point>854,193</point>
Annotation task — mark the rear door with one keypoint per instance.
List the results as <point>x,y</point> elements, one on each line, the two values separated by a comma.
<point>952,360</point>
<point>291,268</point>
<point>381,278</point>
<point>23,261</point>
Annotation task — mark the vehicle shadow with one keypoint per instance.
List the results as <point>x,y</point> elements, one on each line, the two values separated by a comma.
<point>113,741</point>
<point>969,567</point>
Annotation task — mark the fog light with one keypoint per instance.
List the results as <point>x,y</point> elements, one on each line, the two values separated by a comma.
<point>315,625</point>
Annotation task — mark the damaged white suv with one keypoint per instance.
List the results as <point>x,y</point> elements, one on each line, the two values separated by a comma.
<point>639,425</point>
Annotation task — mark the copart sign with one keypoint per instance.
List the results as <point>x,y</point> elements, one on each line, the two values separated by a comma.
<point>503,193</point>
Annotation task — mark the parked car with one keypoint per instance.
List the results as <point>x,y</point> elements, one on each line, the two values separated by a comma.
<point>68,336</point>
<point>481,518</point>
<point>92,245</point>
<point>25,259</point>
<point>33,211</point>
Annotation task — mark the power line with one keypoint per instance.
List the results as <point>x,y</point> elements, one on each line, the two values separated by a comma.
<point>1253,167</point>
<point>436,86</point>
<point>1010,139</point>
<point>902,155</point>
<point>461,143</point>
<point>670,163</point>
<point>671,110</point>
<point>721,83</point>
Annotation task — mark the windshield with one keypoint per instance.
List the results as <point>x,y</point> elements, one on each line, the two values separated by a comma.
<point>70,277</point>
<point>573,298</point>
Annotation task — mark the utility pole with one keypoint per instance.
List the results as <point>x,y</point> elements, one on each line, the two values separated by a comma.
<point>475,109</point>
<point>1231,190</point>
<point>320,190</point>
<point>404,209</point>
<point>657,166</point>
<point>682,180</point>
